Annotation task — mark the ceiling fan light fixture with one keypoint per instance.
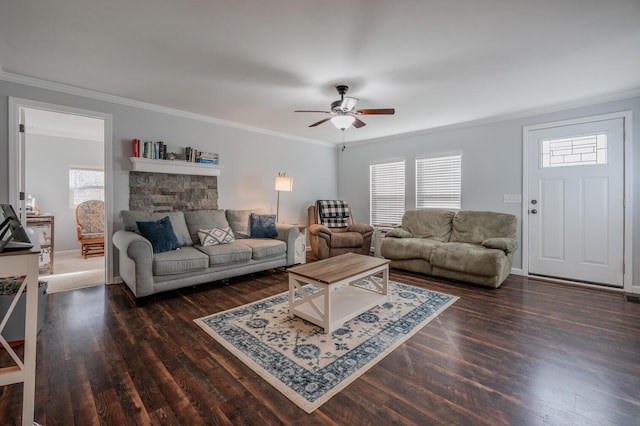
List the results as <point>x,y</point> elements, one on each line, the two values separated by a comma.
<point>342,122</point>
<point>348,103</point>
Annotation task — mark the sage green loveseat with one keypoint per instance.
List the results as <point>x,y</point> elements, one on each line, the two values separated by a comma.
<point>471,246</point>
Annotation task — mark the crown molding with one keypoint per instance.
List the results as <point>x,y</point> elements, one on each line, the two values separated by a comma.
<point>92,94</point>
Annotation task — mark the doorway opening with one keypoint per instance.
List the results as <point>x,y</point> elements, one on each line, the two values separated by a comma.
<point>48,144</point>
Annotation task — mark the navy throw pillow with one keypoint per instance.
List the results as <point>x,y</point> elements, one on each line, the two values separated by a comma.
<point>160,234</point>
<point>263,225</point>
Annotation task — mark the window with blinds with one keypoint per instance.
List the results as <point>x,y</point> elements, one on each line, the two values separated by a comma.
<point>85,184</point>
<point>386,192</point>
<point>439,181</point>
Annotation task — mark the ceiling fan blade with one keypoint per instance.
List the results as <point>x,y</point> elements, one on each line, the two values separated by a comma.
<point>358,123</point>
<point>379,111</point>
<point>321,121</point>
<point>307,110</point>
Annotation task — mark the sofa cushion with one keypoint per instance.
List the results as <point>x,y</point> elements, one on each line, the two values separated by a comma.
<point>475,227</point>
<point>129,219</point>
<point>226,254</point>
<point>187,259</point>
<point>263,248</point>
<point>215,236</point>
<point>263,225</point>
<point>239,221</point>
<point>469,258</point>
<point>160,234</point>
<point>204,219</point>
<point>434,224</point>
<point>408,248</point>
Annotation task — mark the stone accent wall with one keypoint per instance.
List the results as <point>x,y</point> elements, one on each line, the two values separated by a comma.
<point>164,192</point>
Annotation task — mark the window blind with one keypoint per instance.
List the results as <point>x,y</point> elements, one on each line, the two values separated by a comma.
<point>85,184</point>
<point>387,192</point>
<point>438,181</point>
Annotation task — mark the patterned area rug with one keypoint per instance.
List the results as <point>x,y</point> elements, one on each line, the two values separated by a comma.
<point>307,366</point>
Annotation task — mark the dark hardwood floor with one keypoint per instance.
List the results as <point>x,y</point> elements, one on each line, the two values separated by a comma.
<point>528,353</point>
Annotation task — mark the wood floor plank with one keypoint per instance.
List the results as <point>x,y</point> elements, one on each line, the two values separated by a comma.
<point>529,352</point>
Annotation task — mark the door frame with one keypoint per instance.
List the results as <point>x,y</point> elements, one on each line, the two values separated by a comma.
<point>627,117</point>
<point>14,157</point>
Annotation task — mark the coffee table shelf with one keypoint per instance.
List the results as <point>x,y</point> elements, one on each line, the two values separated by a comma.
<point>337,300</point>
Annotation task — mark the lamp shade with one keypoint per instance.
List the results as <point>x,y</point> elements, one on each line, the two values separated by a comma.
<point>343,121</point>
<point>284,183</point>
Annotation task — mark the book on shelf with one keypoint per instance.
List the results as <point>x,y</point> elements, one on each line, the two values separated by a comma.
<point>152,150</point>
<point>207,161</point>
<point>162,149</point>
<point>136,147</point>
<point>208,158</point>
<point>210,155</point>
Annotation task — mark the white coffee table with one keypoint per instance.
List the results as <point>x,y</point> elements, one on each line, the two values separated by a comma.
<point>338,300</point>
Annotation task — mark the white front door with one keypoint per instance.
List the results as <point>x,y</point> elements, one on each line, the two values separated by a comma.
<point>576,202</point>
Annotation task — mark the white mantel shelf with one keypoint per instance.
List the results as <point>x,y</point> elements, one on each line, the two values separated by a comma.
<point>179,167</point>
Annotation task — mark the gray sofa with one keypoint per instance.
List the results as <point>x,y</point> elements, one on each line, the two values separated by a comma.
<point>472,246</point>
<point>147,273</point>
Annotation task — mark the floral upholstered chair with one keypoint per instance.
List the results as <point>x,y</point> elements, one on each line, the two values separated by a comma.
<point>90,227</point>
<point>334,231</point>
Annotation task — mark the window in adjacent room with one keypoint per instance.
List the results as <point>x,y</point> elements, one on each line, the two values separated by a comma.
<point>386,193</point>
<point>85,184</point>
<point>439,181</point>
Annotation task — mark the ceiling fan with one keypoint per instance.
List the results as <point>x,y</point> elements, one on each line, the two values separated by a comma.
<point>343,113</point>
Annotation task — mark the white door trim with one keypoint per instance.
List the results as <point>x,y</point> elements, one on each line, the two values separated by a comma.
<point>628,189</point>
<point>14,156</point>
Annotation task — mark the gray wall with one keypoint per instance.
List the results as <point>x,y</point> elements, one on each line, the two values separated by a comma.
<point>491,163</point>
<point>492,158</point>
<point>250,160</point>
<point>47,179</point>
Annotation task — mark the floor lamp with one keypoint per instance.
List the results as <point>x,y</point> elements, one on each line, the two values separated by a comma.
<point>283,183</point>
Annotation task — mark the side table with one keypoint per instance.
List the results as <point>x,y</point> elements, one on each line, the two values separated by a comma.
<point>380,231</point>
<point>301,246</point>
<point>44,226</point>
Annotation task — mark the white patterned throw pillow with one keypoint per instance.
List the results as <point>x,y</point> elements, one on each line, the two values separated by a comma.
<point>215,236</point>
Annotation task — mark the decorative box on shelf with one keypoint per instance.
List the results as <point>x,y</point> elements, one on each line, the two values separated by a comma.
<point>180,167</point>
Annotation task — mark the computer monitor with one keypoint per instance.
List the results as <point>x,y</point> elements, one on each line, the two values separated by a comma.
<point>12,234</point>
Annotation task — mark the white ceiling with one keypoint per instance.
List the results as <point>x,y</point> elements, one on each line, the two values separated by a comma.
<point>255,62</point>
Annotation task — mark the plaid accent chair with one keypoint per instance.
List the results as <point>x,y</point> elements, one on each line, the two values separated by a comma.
<point>334,231</point>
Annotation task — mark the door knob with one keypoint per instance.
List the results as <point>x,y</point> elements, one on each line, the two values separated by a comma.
<point>534,201</point>
<point>534,211</point>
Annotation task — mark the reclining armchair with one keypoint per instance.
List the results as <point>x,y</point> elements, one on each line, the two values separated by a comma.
<point>333,231</point>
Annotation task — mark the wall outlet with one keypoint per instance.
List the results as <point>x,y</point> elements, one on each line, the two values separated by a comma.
<point>513,198</point>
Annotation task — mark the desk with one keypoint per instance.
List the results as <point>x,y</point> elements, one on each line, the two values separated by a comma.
<point>44,226</point>
<point>19,263</point>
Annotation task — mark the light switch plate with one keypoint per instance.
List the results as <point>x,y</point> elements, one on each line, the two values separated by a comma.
<point>513,198</point>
